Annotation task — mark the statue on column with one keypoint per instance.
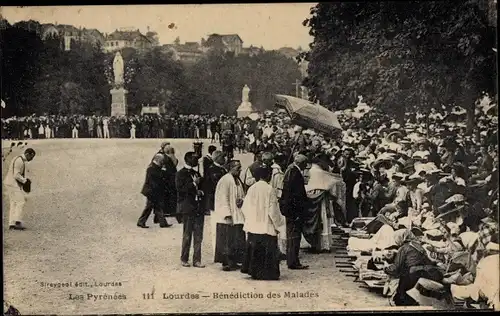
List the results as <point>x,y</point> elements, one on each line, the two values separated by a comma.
<point>245,107</point>
<point>118,69</point>
<point>118,93</point>
<point>244,94</point>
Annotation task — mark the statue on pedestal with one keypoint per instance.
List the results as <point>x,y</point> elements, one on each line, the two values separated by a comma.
<point>245,94</point>
<point>245,107</point>
<point>118,69</point>
<point>118,93</point>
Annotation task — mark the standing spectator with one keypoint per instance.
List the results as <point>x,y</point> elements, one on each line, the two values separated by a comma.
<point>48,129</point>
<point>99,127</point>
<point>18,186</point>
<point>293,205</point>
<point>230,237</point>
<point>211,177</point>
<point>263,222</point>
<point>74,130</point>
<point>105,127</point>
<point>208,160</point>
<point>41,130</point>
<point>187,183</point>
<point>90,126</point>
<point>153,191</point>
<point>132,130</point>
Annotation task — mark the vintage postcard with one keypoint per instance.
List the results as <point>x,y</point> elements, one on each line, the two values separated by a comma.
<point>285,157</point>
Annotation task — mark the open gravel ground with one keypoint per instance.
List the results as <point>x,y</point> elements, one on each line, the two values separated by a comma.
<point>81,219</point>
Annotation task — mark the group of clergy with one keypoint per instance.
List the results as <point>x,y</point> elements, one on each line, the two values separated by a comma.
<point>256,223</point>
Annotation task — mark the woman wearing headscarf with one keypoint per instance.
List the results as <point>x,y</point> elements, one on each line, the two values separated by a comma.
<point>410,264</point>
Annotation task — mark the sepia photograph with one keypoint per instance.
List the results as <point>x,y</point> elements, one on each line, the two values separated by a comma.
<point>235,158</point>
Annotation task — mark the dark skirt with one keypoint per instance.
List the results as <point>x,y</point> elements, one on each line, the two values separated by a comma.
<point>262,257</point>
<point>312,224</point>
<point>408,280</point>
<point>230,241</point>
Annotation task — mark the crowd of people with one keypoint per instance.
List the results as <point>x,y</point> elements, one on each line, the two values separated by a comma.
<point>420,195</point>
<point>425,193</point>
<point>133,126</point>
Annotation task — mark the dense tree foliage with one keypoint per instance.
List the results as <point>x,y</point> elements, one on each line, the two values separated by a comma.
<point>21,53</point>
<point>402,55</point>
<point>221,77</point>
<point>39,76</point>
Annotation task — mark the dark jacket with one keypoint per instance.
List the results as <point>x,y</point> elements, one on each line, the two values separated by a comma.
<point>169,175</point>
<point>207,162</point>
<point>187,192</point>
<point>266,147</point>
<point>212,176</point>
<point>153,185</point>
<point>294,201</point>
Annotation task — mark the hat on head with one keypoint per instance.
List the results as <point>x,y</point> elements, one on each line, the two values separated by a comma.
<point>434,233</point>
<point>300,158</point>
<point>492,247</point>
<point>413,179</point>
<point>164,144</point>
<point>217,156</point>
<point>430,293</point>
<point>451,203</point>
<point>399,175</point>
<point>453,213</point>
<point>433,172</point>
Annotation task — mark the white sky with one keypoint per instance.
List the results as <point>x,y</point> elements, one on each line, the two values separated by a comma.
<point>270,25</point>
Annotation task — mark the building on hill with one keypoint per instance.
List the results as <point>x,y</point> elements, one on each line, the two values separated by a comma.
<point>252,50</point>
<point>226,43</point>
<point>127,38</point>
<point>70,34</point>
<point>93,36</point>
<point>289,52</point>
<point>30,26</point>
<point>153,37</point>
<point>188,53</point>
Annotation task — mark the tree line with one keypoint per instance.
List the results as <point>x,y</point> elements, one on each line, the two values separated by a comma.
<point>402,55</point>
<point>40,77</point>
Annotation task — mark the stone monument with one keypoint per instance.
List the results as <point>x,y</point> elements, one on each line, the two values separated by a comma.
<point>245,107</point>
<point>118,92</point>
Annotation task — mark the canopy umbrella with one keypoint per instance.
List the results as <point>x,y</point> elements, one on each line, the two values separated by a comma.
<point>308,114</point>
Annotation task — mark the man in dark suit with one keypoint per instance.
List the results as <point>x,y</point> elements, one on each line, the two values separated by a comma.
<point>187,182</point>
<point>153,190</point>
<point>207,160</point>
<point>293,205</point>
<point>169,169</point>
<point>212,177</point>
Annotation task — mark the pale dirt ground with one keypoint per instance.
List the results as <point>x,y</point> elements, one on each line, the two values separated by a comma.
<point>81,219</point>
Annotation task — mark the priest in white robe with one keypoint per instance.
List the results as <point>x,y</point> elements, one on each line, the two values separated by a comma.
<point>263,222</point>
<point>230,238</point>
